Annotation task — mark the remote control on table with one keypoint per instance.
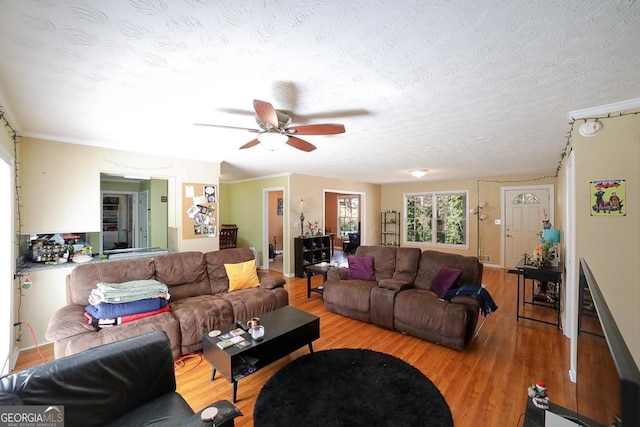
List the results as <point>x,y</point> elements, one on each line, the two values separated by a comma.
<point>242,326</point>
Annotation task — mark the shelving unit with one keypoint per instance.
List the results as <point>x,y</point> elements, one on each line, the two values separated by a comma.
<point>311,250</point>
<point>110,221</point>
<point>390,228</point>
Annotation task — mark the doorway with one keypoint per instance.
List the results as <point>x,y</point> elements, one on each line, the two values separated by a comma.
<point>339,223</point>
<point>141,210</point>
<point>524,210</point>
<point>273,248</point>
<point>120,219</point>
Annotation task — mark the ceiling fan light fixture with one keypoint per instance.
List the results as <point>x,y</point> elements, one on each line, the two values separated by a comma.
<point>272,141</point>
<point>418,173</point>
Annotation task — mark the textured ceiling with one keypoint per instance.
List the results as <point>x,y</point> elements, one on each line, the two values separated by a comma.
<point>461,88</point>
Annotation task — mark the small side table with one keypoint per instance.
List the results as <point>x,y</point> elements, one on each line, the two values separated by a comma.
<point>313,270</point>
<point>545,274</point>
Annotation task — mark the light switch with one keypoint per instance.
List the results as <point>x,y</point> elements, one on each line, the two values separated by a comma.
<point>497,221</point>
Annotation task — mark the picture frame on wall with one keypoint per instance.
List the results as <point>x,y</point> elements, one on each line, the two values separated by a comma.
<point>280,206</point>
<point>608,197</point>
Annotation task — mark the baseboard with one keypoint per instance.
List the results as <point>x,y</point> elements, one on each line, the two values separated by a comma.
<point>491,265</point>
<point>14,357</point>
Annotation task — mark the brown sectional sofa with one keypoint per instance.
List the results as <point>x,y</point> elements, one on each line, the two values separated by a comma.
<point>200,300</point>
<point>400,297</point>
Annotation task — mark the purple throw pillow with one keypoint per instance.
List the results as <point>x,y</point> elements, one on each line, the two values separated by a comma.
<point>445,278</point>
<point>361,267</point>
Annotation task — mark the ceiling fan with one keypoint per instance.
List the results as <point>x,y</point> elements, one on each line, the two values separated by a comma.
<point>274,129</point>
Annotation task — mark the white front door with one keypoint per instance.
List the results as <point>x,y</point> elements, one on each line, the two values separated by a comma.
<point>525,209</point>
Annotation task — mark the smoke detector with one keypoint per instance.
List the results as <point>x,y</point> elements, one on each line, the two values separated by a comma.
<point>590,128</point>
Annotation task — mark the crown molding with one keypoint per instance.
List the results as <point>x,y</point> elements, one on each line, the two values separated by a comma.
<point>592,112</point>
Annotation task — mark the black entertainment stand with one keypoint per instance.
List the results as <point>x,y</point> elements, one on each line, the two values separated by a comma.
<point>535,417</point>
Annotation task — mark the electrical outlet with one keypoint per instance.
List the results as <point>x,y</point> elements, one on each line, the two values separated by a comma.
<point>497,221</point>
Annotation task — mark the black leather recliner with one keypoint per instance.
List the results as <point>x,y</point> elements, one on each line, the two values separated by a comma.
<point>126,383</point>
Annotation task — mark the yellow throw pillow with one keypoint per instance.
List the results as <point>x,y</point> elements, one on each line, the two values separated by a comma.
<point>242,275</point>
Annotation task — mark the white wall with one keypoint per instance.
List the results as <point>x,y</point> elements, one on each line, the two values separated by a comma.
<point>611,244</point>
<point>7,249</point>
<point>61,187</point>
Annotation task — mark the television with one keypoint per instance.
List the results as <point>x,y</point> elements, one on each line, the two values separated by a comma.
<point>607,377</point>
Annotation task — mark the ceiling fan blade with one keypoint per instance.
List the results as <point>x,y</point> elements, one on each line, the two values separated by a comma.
<point>300,144</point>
<point>322,129</point>
<point>266,113</point>
<point>250,144</point>
<point>226,127</point>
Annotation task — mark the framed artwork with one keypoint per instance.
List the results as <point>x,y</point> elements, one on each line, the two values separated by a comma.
<point>280,206</point>
<point>608,197</point>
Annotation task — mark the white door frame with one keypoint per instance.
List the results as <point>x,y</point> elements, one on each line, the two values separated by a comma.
<point>143,219</point>
<point>134,214</point>
<point>503,208</point>
<point>8,355</point>
<point>363,209</point>
<point>265,227</point>
<point>571,279</point>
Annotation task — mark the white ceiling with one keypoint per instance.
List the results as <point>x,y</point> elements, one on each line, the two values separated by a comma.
<point>461,88</point>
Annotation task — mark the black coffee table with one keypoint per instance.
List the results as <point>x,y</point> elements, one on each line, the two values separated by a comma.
<point>285,330</point>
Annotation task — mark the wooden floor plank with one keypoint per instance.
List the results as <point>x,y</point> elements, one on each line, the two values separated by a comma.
<point>485,385</point>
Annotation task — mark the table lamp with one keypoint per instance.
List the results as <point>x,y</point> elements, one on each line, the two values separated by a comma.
<point>552,236</point>
<point>301,208</point>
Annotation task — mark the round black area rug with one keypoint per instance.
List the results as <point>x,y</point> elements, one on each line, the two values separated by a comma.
<point>349,387</point>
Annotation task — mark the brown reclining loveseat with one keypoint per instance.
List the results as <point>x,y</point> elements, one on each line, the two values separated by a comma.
<point>400,297</point>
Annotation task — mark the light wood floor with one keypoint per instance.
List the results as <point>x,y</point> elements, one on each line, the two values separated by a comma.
<point>486,385</point>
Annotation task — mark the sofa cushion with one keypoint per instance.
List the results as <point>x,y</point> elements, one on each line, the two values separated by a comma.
<point>384,264</point>
<point>248,303</point>
<point>185,273</point>
<point>84,278</point>
<point>361,267</point>
<point>432,261</point>
<point>407,261</point>
<point>218,280</point>
<point>445,278</point>
<point>242,275</point>
<point>197,315</point>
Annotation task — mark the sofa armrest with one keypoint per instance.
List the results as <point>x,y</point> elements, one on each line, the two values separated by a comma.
<point>227,411</point>
<point>340,273</point>
<point>101,383</point>
<point>66,322</point>
<point>466,300</point>
<point>269,281</point>
<point>394,284</point>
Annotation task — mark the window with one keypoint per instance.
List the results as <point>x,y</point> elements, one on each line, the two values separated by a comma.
<point>436,218</point>
<point>348,214</point>
<point>525,199</point>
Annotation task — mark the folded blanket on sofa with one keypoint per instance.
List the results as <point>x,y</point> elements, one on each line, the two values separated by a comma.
<point>104,323</point>
<point>126,291</point>
<point>110,311</point>
<point>487,305</point>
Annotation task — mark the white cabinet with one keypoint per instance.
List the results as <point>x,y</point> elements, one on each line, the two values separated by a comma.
<point>57,193</point>
<point>46,294</point>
